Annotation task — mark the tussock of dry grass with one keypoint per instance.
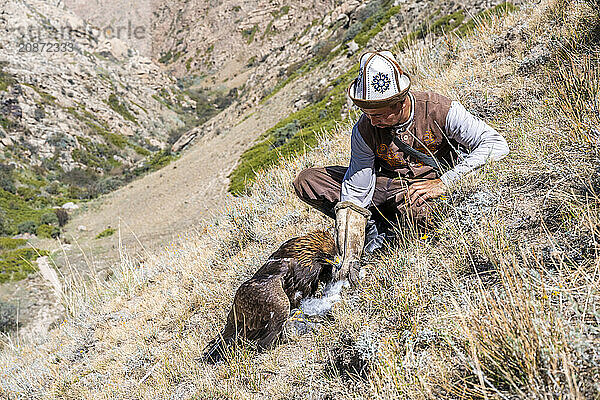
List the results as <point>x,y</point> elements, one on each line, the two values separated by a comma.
<point>499,301</point>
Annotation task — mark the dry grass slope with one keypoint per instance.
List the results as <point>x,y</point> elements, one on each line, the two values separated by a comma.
<point>500,301</point>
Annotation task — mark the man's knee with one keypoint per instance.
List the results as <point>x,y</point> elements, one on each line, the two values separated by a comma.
<point>303,182</point>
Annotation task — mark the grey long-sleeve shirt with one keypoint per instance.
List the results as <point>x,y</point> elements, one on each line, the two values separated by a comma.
<point>483,140</point>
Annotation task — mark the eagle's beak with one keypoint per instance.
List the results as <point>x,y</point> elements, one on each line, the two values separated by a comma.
<point>336,262</point>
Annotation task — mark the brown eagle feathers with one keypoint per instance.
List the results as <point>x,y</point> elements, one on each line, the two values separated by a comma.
<point>262,304</point>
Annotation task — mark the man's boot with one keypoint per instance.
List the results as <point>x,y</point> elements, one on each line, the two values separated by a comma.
<point>374,239</point>
<point>350,223</point>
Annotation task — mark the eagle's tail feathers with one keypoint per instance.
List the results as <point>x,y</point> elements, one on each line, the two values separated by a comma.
<point>216,349</point>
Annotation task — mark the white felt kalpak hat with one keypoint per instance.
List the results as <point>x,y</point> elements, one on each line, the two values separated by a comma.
<point>380,82</point>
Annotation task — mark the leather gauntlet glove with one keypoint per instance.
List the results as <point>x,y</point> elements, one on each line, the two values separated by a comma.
<point>350,222</point>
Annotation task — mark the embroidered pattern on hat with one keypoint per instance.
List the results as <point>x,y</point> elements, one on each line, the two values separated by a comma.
<point>381,82</point>
<point>358,85</point>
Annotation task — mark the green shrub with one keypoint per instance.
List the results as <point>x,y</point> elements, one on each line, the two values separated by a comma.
<point>107,185</point>
<point>209,103</point>
<point>269,30</point>
<point>7,243</point>
<point>60,140</point>
<point>44,231</point>
<point>251,62</point>
<point>249,33</point>
<point>17,264</point>
<point>98,155</point>
<point>16,211</point>
<point>447,23</point>
<point>80,182</point>
<point>4,223</point>
<point>28,193</point>
<point>51,163</point>
<point>81,193</point>
<point>142,151</point>
<point>372,8</point>
<point>7,180</point>
<point>166,57</point>
<point>352,31</point>
<point>46,98</point>
<point>47,231</point>
<point>41,202</point>
<point>160,159</point>
<point>374,24</point>
<point>283,134</point>
<point>27,227</point>
<point>282,11</point>
<point>156,161</point>
<point>118,140</point>
<point>33,178</point>
<point>8,123</point>
<point>8,317</point>
<point>120,108</point>
<point>6,79</point>
<point>49,218</point>
<point>105,233</point>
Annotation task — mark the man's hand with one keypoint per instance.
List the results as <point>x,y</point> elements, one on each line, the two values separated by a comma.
<point>420,192</point>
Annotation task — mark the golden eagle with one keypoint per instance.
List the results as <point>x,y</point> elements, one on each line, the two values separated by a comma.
<point>262,304</point>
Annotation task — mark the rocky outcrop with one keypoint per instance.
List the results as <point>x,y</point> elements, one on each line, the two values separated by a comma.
<point>71,98</point>
<point>185,139</point>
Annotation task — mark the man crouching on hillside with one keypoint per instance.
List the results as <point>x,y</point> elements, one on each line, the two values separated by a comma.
<point>401,158</point>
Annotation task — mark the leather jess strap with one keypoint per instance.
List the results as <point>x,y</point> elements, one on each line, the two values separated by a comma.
<point>438,165</point>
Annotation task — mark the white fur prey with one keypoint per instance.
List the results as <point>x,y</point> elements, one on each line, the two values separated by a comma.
<point>313,306</point>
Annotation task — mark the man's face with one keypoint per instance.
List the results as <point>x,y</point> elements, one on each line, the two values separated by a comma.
<point>386,116</point>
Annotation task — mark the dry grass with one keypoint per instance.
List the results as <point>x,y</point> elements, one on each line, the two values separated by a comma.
<point>499,301</point>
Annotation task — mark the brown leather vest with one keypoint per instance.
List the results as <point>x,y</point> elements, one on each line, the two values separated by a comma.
<point>427,133</point>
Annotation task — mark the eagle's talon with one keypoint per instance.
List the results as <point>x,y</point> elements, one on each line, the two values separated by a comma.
<point>298,324</point>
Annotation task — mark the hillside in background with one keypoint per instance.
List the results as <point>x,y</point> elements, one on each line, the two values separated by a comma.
<point>499,301</point>
<point>93,105</point>
<point>80,115</point>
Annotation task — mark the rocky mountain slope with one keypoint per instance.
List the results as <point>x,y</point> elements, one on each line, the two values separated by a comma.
<point>73,99</point>
<point>258,47</point>
<point>81,114</point>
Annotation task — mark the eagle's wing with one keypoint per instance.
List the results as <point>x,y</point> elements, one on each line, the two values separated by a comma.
<point>261,307</point>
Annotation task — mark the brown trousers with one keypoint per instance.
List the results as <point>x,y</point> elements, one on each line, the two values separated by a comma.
<point>321,187</point>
